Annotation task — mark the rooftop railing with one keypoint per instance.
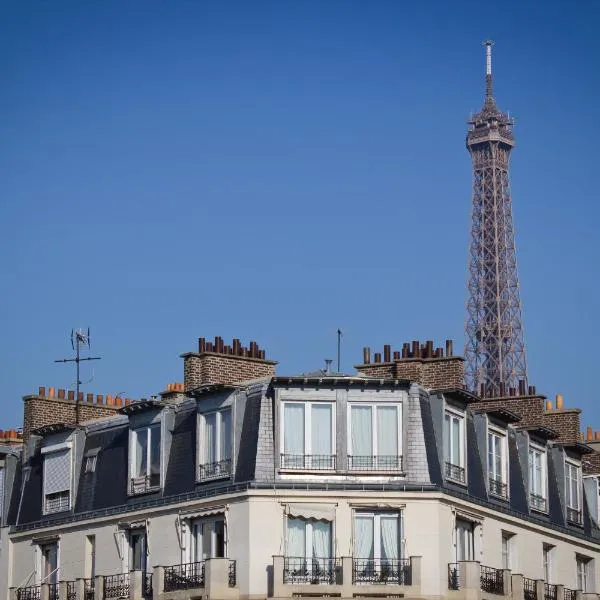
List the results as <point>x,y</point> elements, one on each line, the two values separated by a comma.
<point>186,576</point>
<point>453,576</point>
<point>297,569</point>
<point>323,462</point>
<point>214,470</point>
<point>385,571</point>
<point>492,580</point>
<point>385,462</point>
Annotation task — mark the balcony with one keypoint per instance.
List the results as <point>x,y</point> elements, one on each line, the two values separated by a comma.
<point>345,577</point>
<point>537,502</point>
<point>388,463</point>
<point>184,577</point>
<point>573,516</point>
<point>215,470</point>
<point>116,586</point>
<point>530,589</point>
<point>308,462</point>
<point>550,592</point>
<point>144,484</point>
<point>491,580</point>
<point>498,488</point>
<point>455,472</point>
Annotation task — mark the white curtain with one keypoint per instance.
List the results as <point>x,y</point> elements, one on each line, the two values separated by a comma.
<point>296,538</point>
<point>293,423</point>
<point>141,450</point>
<point>387,431</point>
<point>389,537</point>
<point>210,438</point>
<point>363,537</point>
<point>456,456</point>
<point>225,435</point>
<point>447,439</point>
<point>362,431</point>
<point>321,429</point>
<point>321,539</point>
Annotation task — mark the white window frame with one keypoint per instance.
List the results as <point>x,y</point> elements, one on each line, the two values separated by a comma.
<point>501,477</point>
<point>470,532</point>
<point>42,562</point>
<point>376,516</point>
<point>193,537</point>
<point>533,450</point>
<point>133,476</point>
<point>307,407</point>
<point>462,459</point>
<point>573,486</point>
<point>583,572</point>
<point>90,463</point>
<point>64,497</point>
<point>548,562</point>
<point>507,549</point>
<point>308,535</point>
<point>202,458</point>
<point>374,429</point>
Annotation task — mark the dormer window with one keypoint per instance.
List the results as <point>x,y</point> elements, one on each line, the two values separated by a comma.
<point>145,459</point>
<point>573,492</point>
<point>57,478</point>
<point>497,464</point>
<point>454,446</point>
<point>215,445</point>
<point>537,478</point>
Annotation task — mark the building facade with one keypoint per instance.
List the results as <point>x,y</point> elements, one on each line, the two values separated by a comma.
<point>240,483</point>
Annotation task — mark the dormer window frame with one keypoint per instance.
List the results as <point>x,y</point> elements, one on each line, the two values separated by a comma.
<point>55,500</point>
<point>538,492</point>
<point>573,491</point>
<point>497,443</point>
<point>455,460</point>
<point>222,466</point>
<point>139,483</point>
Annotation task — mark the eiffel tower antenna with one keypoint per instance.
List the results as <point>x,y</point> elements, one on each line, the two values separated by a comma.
<point>79,338</point>
<point>494,344</point>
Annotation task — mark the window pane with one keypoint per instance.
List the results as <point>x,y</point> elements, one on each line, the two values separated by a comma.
<point>387,431</point>
<point>456,454</point>
<point>389,537</point>
<point>210,438</point>
<point>225,435</point>
<point>296,537</point>
<point>447,439</point>
<point>321,429</point>
<point>219,539</point>
<point>141,452</point>
<point>293,424</point>
<point>362,431</point>
<point>321,539</point>
<point>363,537</point>
<point>155,450</point>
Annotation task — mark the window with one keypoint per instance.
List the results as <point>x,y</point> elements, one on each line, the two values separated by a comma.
<point>377,536</point>
<point>215,445</point>
<point>507,550</point>
<point>547,563</point>
<point>209,538</point>
<point>465,540</point>
<point>537,478</point>
<point>49,555</point>
<point>497,464</point>
<point>308,439</point>
<point>572,492</point>
<point>454,446</point>
<point>57,479</point>
<point>138,550</point>
<point>90,464</point>
<point>583,573</point>
<point>375,437</point>
<point>145,464</point>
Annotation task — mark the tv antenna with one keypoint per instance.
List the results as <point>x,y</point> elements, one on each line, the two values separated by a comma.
<point>79,338</point>
<point>339,349</point>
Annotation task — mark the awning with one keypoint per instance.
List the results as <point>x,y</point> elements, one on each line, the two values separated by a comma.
<point>204,512</point>
<point>318,512</point>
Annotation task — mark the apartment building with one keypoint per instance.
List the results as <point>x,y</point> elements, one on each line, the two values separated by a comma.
<point>389,482</point>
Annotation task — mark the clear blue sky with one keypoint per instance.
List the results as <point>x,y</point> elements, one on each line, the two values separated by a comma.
<point>276,170</point>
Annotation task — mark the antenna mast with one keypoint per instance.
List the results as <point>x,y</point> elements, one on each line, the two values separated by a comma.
<point>339,347</point>
<point>78,338</point>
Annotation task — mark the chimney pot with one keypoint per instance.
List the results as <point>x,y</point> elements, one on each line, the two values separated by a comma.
<point>377,357</point>
<point>201,345</point>
<point>366,355</point>
<point>99,399</point>
<point>448,347</point>
<point>80,396</point>
<point>61,393</point>
<point>71,395</point>
<point>597,435</point>
<point>42,392</point>
<point>522,389</point>
<point>416,349</point>
<point>387,353</point>
<point>502,389</point>
<point>559,401</point>
<point>549,405</point>
<point>50,392</point>
<point>589,434</point>
<point>90,399</point>
<point>396,355</point>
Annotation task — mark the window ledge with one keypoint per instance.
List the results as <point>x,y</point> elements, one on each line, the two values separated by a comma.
<point>222,477</point>
<point>150,490</point>
<point>539,511</point>
<point>462,482</point>
<point>500,497</point>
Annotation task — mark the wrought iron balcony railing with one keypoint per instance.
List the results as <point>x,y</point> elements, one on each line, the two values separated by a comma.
<point>53,591</point>
<point>308,462</point>
<point>573,515</point>
<point>498,488</point>
<point>395,571</point>
<point>88,588</point>
<point>57,502</point>
<point>492,580</point>
<point>31,592</point>
<point>214,470</point>
<point>455,472</point>
<point>147,586</point>
<point>232,573</point>
<point>569,594</point>
<point>537,502</point>
<point>184,577</point>
<point>297,569</point>
<point>550,592</point>
<point>116,586</point>
<point>71,590</point>
<point>529,589</point>
<point>145,483</point>
<point>383,462</point>
<point>453,576</point>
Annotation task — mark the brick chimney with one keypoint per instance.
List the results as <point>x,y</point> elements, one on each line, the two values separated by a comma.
<point>565,421</point>
<point>431,367</point>
<point>11,437</point>
<point>217,363</point>
<point>175,392</point>
<point>51,406</point>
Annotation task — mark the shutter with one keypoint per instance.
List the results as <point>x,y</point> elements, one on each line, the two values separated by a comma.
<point>57,471</point>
